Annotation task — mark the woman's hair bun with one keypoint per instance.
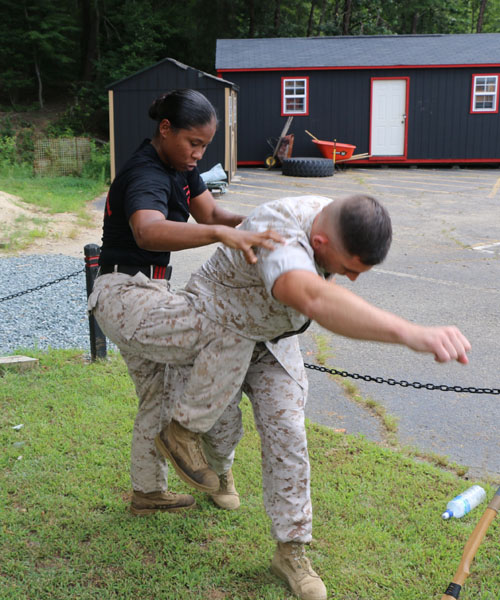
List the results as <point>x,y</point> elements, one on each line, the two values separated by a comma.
<point>183,108</point>
<point>155,108</point>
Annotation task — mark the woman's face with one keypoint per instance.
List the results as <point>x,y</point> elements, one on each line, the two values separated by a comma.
<point>181,149</point>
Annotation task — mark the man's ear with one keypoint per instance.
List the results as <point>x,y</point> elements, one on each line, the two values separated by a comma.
<point>318,241</point>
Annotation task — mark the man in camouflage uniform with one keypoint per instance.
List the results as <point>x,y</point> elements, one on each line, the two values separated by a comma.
<point>228,331</point>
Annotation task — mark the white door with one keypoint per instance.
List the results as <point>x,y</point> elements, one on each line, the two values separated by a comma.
<point>388,123</point>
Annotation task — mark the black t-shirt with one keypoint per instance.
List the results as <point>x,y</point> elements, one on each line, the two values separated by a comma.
<point>144,182</point>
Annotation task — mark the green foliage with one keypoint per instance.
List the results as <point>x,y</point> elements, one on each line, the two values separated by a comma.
<point>7,127</point>
<point>98,168</point>
<point>39,47</point>
<point>8,153</point>
<point>66,531</point>
<point>137,37</point>
<point>25,145</point>
<point>16,141</point>
<point>87,114</point>
<point>83,47</point>
<point>60,128</point>
<point>491,17</point>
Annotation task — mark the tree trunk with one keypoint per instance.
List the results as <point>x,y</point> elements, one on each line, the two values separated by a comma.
<point>90,37</point>
<point>310,22</point>
<point>321,18</point>
<point>346,21</point>
<point>251,24</point>
<point>35,60</point>
<point>480,18</point>
<point>336,15</point>
<point>277,17</point>
<point>414,22</point>
<point>39,78</point>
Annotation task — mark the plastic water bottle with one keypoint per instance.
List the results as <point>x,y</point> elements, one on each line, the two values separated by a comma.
<point>465,502</point>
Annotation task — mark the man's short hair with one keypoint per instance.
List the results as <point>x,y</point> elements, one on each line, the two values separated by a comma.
<point>365,229</point>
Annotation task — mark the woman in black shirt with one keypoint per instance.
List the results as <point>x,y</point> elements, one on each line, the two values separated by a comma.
<point>145,219</point>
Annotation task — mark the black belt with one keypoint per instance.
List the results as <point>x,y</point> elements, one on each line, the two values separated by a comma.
<point>290,333</point>
<point>151,271</point>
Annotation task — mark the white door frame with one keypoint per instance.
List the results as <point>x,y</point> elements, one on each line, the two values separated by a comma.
<point>389,121</point>
<point>231,149</point>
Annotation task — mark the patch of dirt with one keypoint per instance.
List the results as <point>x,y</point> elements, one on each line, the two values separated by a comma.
<point>62,233</point>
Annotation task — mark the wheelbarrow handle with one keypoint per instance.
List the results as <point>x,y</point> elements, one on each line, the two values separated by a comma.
<point>283,134</point>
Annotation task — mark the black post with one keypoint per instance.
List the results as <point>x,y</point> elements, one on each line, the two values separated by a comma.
<point>97,337</point>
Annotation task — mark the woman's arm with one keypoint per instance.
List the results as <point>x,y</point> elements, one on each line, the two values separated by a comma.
<point>205,210</point>
<point>153,232</point>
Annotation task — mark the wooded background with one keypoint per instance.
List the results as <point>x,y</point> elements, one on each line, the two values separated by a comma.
<point>75,48</point>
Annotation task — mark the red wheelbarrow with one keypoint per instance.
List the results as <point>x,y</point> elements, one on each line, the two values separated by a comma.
<point>342,151</point>
<point>336,151</point>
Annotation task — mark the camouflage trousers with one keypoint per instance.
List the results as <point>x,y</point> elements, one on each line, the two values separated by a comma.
<point>163,376</point>
<point>147,320</point>
<point>278,404</point>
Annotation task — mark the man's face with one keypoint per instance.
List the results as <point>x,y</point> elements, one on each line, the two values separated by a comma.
<point>335,260</point>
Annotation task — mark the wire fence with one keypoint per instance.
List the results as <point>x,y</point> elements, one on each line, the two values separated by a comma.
<point>61,156</point>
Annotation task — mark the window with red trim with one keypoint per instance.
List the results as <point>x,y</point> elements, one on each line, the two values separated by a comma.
<point>295,95</point>
<point>484,93</point>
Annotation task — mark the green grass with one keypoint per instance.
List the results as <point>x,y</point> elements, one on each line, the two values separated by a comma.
<point>50,194</point>
<point>23,232</point>
<point>54,194</point>
<point>66,532</point>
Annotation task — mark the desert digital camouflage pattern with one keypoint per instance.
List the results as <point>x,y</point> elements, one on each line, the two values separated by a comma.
<point>192,353</point>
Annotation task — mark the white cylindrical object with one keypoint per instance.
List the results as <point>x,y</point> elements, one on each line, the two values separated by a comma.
<point>465,502</point>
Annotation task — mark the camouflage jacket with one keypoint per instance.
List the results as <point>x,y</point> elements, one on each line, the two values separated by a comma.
<point>237,295</point>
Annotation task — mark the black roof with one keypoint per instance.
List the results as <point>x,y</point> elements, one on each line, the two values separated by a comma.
<point>359,51</point>
<point>176,63</point>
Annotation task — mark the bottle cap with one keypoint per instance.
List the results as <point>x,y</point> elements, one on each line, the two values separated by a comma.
<point>447,514</point>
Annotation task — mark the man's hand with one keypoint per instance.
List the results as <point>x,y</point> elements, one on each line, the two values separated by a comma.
<point>446,343</point>
<point>245,240</point>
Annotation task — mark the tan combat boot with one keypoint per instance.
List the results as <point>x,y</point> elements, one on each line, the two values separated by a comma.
<point>183,449</point>
<point>291,564</point>
<point>147,504</point>
<point>226,496</point>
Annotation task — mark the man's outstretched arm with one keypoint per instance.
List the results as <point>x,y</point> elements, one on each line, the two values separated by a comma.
<point>341,311</point>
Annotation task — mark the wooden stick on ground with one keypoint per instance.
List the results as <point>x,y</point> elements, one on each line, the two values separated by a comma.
<point>354,157</point>
<point>471,548</point>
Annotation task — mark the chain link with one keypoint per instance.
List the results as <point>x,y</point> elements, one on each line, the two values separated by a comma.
<point>41,286</point>
<point>415,384</point>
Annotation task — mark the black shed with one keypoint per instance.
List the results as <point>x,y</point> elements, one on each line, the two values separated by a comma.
<point>402,99</point>
<point>130,99</point>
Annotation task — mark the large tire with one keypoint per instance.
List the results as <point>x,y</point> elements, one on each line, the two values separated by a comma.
<point>308,167</point>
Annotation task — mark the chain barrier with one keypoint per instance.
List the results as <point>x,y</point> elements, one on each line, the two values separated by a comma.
<point>415,384</point>
<point>41,286</point>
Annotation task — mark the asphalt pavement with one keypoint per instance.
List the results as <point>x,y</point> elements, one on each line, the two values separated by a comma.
<point>443,268</point>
